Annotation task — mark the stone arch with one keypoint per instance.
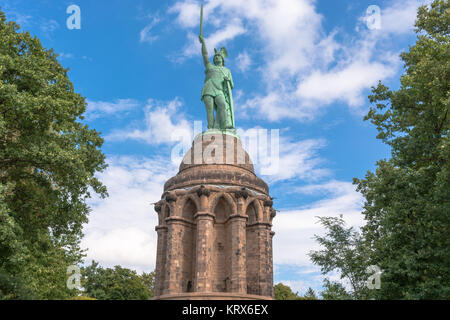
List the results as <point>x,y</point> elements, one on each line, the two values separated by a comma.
<point>222,206</point>
<point>254,205</point>
<point>222,210</point>
<point>227,198</point>
<point>253,243</point>
<point>189,207</point>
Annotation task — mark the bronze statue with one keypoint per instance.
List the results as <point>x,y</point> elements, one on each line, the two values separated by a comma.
<point>216,93</point>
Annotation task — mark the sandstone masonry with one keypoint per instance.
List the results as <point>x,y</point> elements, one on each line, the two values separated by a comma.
<point>214,231</point>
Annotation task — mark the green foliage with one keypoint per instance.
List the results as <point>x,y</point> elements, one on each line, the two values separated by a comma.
<point>283,292</point>
<point>149,280</point>
<point>345,252</point>
<point>116,284</point>
<point>48,162</point>
<point>407,207</point>
<point>82,298</point>
<point>334,291</point>
<point>407,199</point>
<point>309,295</point>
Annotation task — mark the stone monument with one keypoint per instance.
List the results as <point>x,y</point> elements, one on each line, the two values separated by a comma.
<point>215,215</point>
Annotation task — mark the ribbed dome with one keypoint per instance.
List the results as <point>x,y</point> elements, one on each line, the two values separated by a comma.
<point>216,159</point>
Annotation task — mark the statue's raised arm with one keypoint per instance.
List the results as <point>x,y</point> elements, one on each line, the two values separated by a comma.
<point>204,50</point>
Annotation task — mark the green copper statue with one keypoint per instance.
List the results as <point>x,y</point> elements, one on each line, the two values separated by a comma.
<point>216,93</point>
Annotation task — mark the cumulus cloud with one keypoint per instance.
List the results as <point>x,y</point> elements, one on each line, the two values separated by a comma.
<point>345,82</point>
<point>187,13</point>
<point>97,109</point>
<point>164,123</point>
<point>280,157</point>
<point>146,35</point>
<point>295,229</point>
<point>218,38</point>
<point>297,159</point>
<point>305,69</point>
<point>396,19</point>
<point>243,61</point>
<point>121,228</point>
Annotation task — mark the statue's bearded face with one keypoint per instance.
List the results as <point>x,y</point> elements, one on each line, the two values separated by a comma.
<point>218,60</point>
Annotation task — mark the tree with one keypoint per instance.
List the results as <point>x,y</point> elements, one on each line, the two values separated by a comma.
<point>115,284</point>
<point>407,205</point>
<point>309,295</point>
<point>334,291</point>
<point>48,162</point>
<point>345,252</point>
<point>283,292</point>
<point>149,280</point>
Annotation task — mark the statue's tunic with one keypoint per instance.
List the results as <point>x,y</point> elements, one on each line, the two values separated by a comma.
<point>215,77</point>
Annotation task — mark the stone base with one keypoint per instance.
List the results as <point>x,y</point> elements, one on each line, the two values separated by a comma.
<point>216,131</point>
<point>211,296</point>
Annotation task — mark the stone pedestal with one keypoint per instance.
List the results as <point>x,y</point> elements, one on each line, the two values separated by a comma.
<point>214,231</point>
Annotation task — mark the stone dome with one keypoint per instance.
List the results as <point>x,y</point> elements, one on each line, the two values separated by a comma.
<point>217,159</point>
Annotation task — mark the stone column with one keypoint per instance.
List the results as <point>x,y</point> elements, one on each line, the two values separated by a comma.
<point>203,267</point>
<point>238,253</point>
<point>173,272</point>
<point>270,269</point>
<point>160,259</point>
<point>238,244</point>
<point>263,230</point>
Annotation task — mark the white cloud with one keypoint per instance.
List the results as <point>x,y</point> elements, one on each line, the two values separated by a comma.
<point>164,123</point>
<point>344,83</point>
<point>295,229</point>
<point>219,38</point>
<point>63,55</point>
<point>398,18</point>
<point>188,13</point>
<point>121,227</point>
<point>278,158</point>
<point>297,286</point>
<point>145,35</point>
<point>299,160</point>
<point>243,61</point>
<point>304,68</point>
<point>16,15</point>
<point>97,109</point>
<point>48,26</point>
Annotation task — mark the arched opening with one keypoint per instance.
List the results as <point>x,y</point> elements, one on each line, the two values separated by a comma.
<point>188,247</point>
<point>252,253</point>
<point>189,209</point>
<point>221,249</point>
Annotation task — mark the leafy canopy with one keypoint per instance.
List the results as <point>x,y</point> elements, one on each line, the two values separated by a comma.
<point>116,284</point>
<point>48,162</point>
<point>407,205</point>
<point>407,199</point>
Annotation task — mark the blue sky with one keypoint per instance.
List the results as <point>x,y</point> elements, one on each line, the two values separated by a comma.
<point>302,67</point>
